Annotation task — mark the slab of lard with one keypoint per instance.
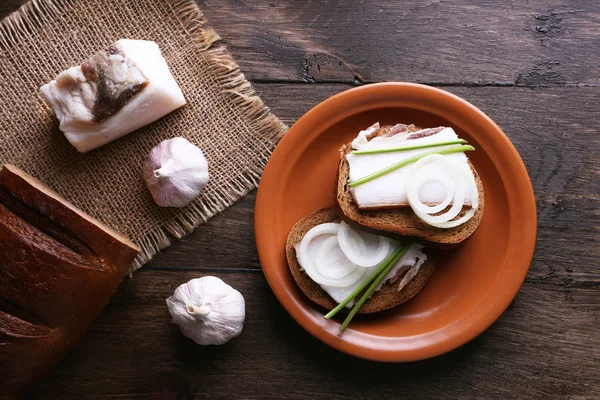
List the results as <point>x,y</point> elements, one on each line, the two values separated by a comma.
<point>389,190</point>
<point>115,92</point>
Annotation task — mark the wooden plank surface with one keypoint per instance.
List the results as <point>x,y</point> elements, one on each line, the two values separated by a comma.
<point>531,66</point>
<point>459,42</point>
<point>533,351</point>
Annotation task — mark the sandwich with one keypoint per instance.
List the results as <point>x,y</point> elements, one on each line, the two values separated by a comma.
<point>436,198</point>
<point>398,189</point>
<point>338,266</point>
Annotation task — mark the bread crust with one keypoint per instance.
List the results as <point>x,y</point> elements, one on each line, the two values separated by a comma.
<point>387,297</point>
<point>400,221</point>
<point>58,269</point>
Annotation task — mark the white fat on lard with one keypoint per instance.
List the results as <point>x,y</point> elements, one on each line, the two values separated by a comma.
<point>134,68</point>
<point>389,190</point>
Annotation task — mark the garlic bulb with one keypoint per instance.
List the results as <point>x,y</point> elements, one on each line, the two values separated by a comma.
<point>208,310</point>
<point>175,172</point>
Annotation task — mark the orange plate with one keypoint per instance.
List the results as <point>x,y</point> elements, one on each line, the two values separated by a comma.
<point>476,282</point>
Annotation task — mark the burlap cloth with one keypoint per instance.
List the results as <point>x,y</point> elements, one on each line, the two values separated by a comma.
<point>224,117</point>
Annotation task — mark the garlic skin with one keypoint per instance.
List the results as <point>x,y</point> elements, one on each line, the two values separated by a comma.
<point>207,310</point>
<point>175,172</point>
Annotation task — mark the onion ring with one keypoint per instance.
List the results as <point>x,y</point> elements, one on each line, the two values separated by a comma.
<point>433,176</point>
<point>447,172</point>
<point>331,261</point>
<point>309,266</point>
<point>354,247</point>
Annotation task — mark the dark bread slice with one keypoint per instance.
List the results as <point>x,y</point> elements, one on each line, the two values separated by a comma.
<point>58,269</point>
<point>387,297</point>
<point>400,221</point>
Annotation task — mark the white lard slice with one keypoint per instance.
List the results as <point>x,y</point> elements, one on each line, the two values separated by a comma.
<point>129,64</point>
<point>390,190</point>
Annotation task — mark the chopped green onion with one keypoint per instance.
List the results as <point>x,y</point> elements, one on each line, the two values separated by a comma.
<point>409,160</point>
<point>363,285</point>
<point>406,148</point>
<point>380,277</point>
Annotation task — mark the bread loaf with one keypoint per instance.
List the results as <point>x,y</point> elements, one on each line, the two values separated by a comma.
<point>58,269</point>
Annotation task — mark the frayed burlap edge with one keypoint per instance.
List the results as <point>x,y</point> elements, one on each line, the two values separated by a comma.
<point>19,26</point>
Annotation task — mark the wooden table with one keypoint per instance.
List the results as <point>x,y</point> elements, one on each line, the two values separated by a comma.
<point>531,67</point>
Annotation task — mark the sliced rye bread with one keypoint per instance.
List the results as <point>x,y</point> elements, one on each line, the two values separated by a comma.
<point>387,297</point>
<point>400,221</point>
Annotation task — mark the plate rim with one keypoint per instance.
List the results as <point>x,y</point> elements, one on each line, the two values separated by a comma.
<point>494,310</point>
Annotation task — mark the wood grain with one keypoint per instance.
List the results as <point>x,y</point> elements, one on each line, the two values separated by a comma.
<point>536,43</point>
<point>533,351</point>
<point>531,66</point>
<point>459,43</point>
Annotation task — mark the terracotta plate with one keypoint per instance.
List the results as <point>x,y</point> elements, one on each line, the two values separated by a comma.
<point>475,283</point>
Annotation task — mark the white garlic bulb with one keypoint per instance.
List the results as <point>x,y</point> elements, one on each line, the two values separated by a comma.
<point>208,310</point>
<point>175,172</point>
